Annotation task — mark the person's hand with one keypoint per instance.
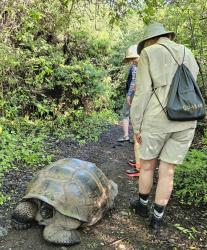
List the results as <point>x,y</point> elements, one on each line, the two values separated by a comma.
<point>138,137</point>
<point>129,100</point>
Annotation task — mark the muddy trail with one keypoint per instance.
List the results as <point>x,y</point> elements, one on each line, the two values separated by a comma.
<point>184,227</point>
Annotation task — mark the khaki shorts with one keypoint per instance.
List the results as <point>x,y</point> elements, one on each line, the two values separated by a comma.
<point>168,147</point>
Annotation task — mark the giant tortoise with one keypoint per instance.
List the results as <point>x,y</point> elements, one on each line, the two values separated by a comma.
<point>64,196</point>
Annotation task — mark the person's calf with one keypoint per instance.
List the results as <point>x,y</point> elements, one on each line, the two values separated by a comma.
<point>146,175</point>
<point>165,183</point>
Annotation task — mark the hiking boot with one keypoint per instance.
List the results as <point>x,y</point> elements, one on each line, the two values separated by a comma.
<point>155,224</point>
<point>138,207</point>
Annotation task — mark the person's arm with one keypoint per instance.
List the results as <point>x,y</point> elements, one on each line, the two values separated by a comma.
<point>142,94</point>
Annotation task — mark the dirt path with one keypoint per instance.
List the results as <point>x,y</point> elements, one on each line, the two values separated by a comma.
<point>119,229</point>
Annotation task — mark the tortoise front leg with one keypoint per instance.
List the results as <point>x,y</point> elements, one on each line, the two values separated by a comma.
<point>59,235</point>
<point>62,230</point>
<point>23,215</point>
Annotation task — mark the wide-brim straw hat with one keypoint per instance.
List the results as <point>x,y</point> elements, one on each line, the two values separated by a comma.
<point>153,30</point>
<point>131,53</point>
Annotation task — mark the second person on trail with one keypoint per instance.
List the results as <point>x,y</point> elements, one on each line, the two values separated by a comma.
<point>131,58</point>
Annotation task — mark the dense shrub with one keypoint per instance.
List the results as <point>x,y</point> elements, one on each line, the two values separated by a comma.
<point>49,67</point>
<point>21,144</point>
<point>54,78</point>
<point>43,84</point>
<point>191,178</point>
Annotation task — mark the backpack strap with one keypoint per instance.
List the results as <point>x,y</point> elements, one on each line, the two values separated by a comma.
<point>154,90</point>
<point>172,53</point>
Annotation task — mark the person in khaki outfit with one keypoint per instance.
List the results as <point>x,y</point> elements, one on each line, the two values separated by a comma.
<point>159,137</point>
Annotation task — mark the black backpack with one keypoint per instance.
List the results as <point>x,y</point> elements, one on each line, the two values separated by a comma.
<point>185,102</point>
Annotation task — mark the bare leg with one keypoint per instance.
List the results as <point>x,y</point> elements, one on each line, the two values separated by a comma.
<point>165,183</point>
<point>125,126</point>
<point>136,151</point>
<point>139,203</point>
<point>146,175</point>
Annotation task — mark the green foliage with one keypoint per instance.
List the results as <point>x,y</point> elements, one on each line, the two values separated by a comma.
<point>48,68</point>
<point>191,233</point>
<point>190,25</point>
<point>3,198</point>
<point>191,178</point>
<point>21,144</point>
<point>205,137</point>
<point>83,86</point>
<point>88,128</point>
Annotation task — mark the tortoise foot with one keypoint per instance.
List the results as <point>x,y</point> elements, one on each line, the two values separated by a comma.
<point>61,236</point>
<point>24,215</point>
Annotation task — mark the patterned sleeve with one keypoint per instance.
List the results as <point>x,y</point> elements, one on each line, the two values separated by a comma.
<point>132,83</point>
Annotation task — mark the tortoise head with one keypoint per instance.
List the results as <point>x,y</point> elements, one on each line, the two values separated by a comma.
<point>45,213</point>
<point>46,210</point>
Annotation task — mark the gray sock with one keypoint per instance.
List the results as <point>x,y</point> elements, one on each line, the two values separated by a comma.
<point>143,199</point>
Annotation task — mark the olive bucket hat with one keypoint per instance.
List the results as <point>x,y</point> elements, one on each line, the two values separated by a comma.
<point>131,53</point>
<point>154,29</point>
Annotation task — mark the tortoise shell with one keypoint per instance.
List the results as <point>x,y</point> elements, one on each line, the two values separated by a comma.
<point>75,188</point>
